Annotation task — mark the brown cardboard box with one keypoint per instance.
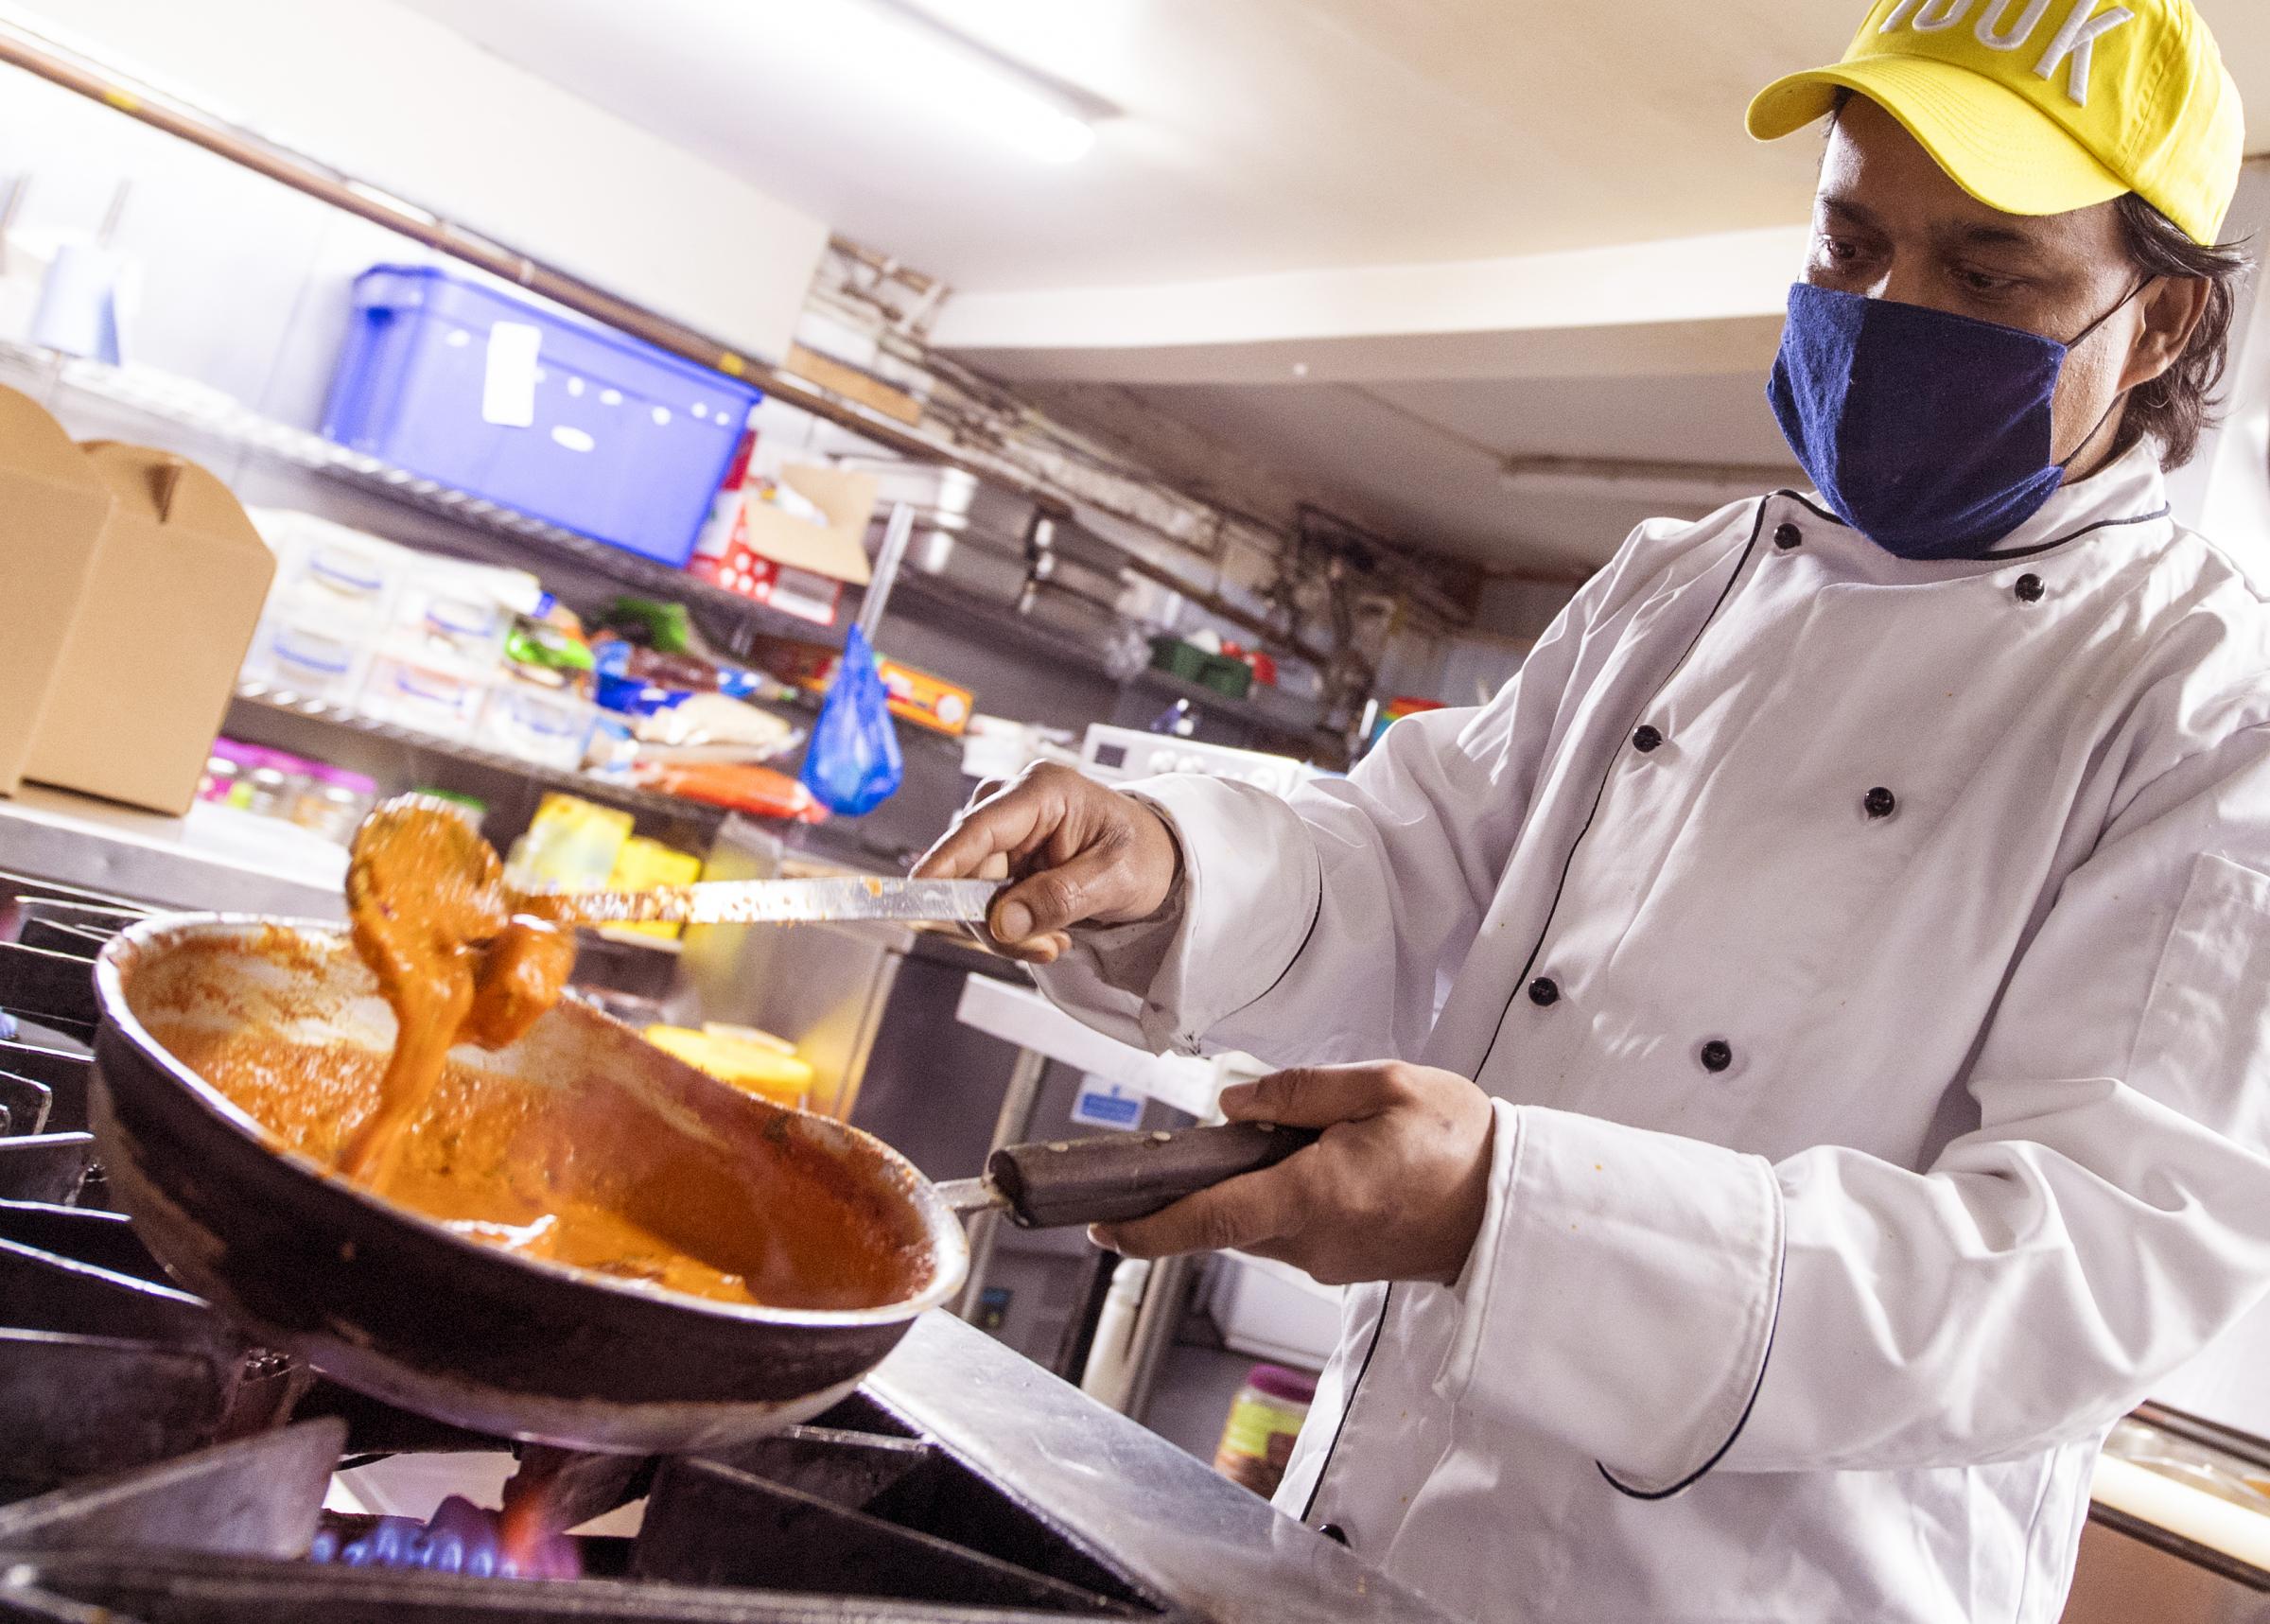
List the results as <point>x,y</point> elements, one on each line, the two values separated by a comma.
<point>151,658</point>
<point>752,548</point>
<point>839,551</point>
<point>53,508</point>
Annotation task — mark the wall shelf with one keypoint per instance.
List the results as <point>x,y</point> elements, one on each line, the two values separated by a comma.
<point>194,409</point>
<point>1262,706</point>
<point>609,791</point>
<point>1266,709</point>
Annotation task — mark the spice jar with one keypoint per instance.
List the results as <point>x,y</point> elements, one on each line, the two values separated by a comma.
<point>1264,1419</point>
<point>334,802</point>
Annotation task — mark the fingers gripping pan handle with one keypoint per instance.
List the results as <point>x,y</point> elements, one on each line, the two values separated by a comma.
<point>1125,1176</point>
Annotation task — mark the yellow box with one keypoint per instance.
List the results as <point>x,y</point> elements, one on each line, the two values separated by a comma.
<point>644,864</point>
<point>755,1064</point>
<point>929,701</point>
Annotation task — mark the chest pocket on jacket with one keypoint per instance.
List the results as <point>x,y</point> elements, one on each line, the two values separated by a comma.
<point>2208,1017</point>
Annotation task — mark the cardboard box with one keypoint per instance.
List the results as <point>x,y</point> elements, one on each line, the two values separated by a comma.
<point>151,659</point>
<point>753,547</point>
<point>916,695</point>
<point>807,665</point>
<point>53,507</point>
<point>929,701</point>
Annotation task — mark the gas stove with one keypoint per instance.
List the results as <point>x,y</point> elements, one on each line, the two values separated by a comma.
<point>157,1467</point>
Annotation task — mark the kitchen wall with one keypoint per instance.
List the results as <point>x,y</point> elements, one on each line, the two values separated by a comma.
<point>396,100</point>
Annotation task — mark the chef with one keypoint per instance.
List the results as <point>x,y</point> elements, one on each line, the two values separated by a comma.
<point>1795,1067</point>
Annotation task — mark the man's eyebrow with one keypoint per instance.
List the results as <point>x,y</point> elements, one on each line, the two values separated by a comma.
<point>1845,212</point>
<point>1848,211</point>
<point>2004,235</point>
<point>1978,233</point>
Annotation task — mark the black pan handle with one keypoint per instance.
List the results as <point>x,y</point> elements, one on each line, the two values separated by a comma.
<point>1124,1176</point>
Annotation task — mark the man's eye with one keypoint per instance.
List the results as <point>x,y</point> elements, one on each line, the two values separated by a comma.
<point>1838,251</point>
<point>1983,284</point>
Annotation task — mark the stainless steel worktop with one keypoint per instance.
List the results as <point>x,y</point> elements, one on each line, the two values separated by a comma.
<point>1205,1547</point>
<point>213,859</point>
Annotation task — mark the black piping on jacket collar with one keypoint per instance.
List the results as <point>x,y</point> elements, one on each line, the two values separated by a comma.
<point>2163,510</point>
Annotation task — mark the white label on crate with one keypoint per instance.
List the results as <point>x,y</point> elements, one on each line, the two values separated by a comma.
<point>508,391</point>
<point>1102,1103</point>
<point>567,434</point>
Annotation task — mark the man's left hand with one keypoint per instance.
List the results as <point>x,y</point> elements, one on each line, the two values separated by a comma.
<point>1395,1189</point>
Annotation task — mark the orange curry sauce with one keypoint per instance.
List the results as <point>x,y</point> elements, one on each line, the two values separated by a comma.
<point>433,921</point>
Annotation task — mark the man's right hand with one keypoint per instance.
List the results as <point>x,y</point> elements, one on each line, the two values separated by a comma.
<point>1080,853</point>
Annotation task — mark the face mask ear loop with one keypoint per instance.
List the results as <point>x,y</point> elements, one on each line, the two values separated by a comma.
<point>2085,334</point>
<point>2090,331</point>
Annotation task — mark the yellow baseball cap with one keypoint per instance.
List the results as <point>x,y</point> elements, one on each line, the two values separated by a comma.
<point>2036,106</point>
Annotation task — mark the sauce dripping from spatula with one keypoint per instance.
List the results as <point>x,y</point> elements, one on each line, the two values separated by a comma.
<point>455,962</point>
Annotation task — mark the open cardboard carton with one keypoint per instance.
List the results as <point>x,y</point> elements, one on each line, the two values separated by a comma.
<point>53,507</point>
<point>139,581</point>
<point>795,565</point>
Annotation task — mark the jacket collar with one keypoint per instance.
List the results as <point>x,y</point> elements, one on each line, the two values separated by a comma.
<point>2130,489</point>
<point>2127,489</point>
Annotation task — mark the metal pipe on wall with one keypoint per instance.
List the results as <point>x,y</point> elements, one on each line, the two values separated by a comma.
<point>1670,481</point>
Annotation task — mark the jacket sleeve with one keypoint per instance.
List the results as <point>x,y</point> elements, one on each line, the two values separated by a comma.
<point>1680,1307</point>
<point>1315,929</point>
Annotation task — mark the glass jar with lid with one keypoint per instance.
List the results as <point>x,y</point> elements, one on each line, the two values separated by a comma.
<point>1264,1419</point>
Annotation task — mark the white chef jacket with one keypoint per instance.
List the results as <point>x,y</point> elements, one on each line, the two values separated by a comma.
<point>1870,961</point>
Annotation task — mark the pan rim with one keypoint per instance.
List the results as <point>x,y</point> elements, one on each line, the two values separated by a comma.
<point>949,1242</point>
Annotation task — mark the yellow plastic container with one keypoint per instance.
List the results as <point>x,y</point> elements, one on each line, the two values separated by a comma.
<point>571,845</point>
<point>644,864</point>
<point>754,1062</point>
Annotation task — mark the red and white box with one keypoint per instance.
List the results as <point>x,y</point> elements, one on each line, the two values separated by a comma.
<point>755,545</point>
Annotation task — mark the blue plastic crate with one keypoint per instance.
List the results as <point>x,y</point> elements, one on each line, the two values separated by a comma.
<point>626,443</point>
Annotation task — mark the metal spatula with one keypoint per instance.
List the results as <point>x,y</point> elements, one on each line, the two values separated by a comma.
<point>781,901</point>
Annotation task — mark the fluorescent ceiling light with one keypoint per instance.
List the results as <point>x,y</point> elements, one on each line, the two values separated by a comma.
<point>928,67</point>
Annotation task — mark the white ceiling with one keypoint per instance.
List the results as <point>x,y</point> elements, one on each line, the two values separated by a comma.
<point>1258,135</point>
<point>1274,136</point>
<point>1440,446</point>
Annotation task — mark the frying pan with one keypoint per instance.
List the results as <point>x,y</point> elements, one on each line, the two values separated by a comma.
<point>402,1307</point>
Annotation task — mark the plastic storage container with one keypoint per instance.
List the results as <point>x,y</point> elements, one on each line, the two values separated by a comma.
<point>645,864</point>
<point>424,698</point>
<point>457,617</point>
<point>547,726</point>
<point>570,843</point>
<point>589,428</point>
<point>310,655</point>
<point>1178,659</point>
<point>330,571</point>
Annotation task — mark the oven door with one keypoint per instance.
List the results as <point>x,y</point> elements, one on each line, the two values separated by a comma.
<point>2133,1572</point>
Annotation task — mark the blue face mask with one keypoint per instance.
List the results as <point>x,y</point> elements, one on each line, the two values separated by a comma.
<point>1928,433</point>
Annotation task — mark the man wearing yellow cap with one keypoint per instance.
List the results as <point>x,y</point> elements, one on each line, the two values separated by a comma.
<point>1826,995</point>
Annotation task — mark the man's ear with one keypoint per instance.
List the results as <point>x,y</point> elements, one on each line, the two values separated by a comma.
<point>2172,308</point>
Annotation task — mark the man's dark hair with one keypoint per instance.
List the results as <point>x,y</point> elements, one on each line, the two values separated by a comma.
<point>2180,404</point>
